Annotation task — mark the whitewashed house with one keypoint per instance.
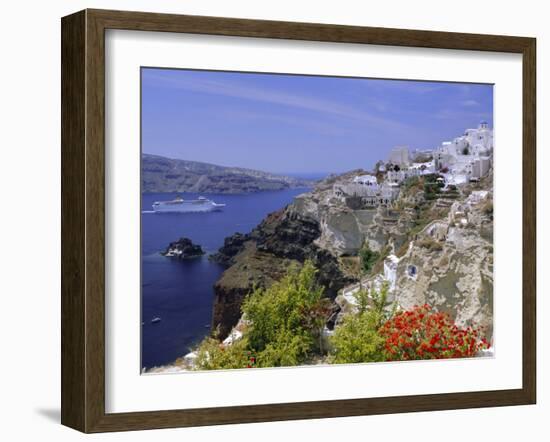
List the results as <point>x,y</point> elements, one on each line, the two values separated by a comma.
<point>366,180</point>
<point>390,271</point>
<point>400,155</point>
<point>468,156</point>
<point>367,188</point>
<point>397,177</point>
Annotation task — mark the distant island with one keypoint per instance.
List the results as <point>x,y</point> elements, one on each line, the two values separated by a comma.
<point>161,174</point>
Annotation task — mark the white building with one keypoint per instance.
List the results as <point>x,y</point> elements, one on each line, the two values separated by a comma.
<point>468,156</point>
<point>366,180</point>
<point>480,140</point>
<point>371,194</point>
<point>428,167</point>
<point>397,177</point>
<point>400,155</point>
<point>390,270</point>
<point>480,167</point>
<point>416,169</point>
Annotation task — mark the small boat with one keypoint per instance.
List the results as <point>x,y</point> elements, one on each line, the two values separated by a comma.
<point>155,320</point>
<point>201,204</point>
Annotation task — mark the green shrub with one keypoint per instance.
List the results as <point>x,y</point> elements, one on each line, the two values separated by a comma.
<point>368,257</point>
<point>287,319</point>
<point>286,350</point>
<point>357,339</point>
<point>410,183</point>
<point>285,325</point>
<point>212,355</point>
<point>362,299</point>
<point>380,303</point>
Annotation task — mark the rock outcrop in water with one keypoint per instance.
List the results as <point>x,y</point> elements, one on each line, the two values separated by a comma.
<point>183,248</point>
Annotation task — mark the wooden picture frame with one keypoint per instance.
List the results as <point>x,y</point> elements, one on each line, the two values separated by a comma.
<point>83,220</point>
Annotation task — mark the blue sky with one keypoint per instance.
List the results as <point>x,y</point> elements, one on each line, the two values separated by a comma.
<point>300,124</point>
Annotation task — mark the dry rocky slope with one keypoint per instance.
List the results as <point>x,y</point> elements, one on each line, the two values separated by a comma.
<point>441,250</point>
<point>160,174</point>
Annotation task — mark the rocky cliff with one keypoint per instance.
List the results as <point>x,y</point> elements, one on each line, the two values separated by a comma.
<point>442,248</point>
<point>264,255</point>
<point>449,265</point>
<point>160,174</point>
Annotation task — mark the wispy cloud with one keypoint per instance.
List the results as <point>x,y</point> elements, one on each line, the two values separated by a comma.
<point>407,86</point>
<point>312,125</point>
<point>469,103</point>
<point>449,114</point>
<point>276,97</point>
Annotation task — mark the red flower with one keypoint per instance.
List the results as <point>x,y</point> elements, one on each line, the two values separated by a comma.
<point>423,333</point>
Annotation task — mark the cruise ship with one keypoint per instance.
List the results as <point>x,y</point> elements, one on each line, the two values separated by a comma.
<point>201,204</point>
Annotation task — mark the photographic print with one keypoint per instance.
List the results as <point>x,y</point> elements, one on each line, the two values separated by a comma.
<point>299,220</point>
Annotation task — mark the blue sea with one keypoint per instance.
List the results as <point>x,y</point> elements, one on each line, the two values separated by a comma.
<point>181,292</point>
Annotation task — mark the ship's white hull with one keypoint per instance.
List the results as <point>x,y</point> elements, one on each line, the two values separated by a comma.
<point>187,206</point>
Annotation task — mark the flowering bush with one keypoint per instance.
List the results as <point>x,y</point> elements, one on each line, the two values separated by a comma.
<point>422,333</point>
